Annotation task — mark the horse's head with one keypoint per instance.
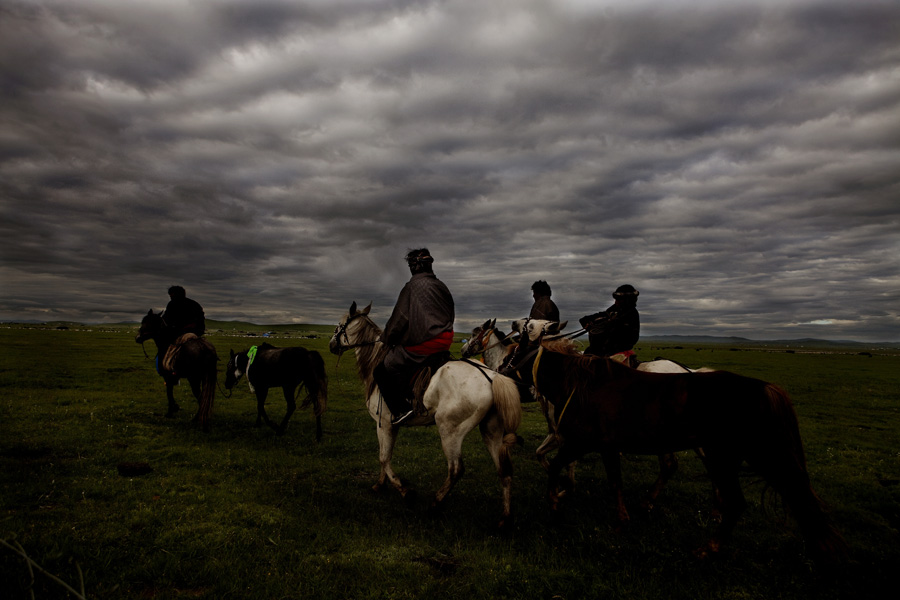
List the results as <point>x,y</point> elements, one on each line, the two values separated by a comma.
<point>152,326</point>
<point>533,330</point>
<point>477,343</point>
<point>531,335</point>
<point>347,333</point>
<point>237,366</point>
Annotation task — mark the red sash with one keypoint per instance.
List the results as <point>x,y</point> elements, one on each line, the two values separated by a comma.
<point>436,344</point>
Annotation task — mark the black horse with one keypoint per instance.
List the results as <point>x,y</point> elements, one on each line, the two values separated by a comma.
<point>267,366</point>
<point>193,358</point>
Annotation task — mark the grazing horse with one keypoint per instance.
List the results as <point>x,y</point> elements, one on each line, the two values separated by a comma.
<point>460,395</point>
<point>496,347</point>
<point>195,361</point>
<point>606,407</point>
<point>288,368</point>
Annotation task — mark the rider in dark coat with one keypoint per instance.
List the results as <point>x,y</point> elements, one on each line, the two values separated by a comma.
<point>184,315</point>
<point>543,308</point>
<point>420,325</point>
<point>615,330</point>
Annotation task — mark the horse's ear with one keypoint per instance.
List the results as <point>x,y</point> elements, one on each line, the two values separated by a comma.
<point>149,312</point>
<point>560,326</point>
<point>492,322</point>
<point>516,326</point>
<point>477,330</point>
<point>366,310</point>
<point>231,352</point>
<point>353,308</point>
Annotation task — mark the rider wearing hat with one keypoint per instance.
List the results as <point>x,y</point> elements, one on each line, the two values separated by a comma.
<point>543,308</point>
<point>614,331</point>
<point>420,325</point>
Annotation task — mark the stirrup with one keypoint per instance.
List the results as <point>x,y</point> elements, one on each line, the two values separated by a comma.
<point>402,418</point>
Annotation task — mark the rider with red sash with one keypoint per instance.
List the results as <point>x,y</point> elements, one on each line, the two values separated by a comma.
<point>420,325</point>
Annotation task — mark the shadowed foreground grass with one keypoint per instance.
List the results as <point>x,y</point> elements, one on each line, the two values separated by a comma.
<point>242,513</point>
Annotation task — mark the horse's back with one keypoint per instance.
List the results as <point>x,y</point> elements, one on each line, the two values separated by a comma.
<point>282,366</point>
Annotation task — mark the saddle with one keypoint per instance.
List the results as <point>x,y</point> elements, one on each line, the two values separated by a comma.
<point>627,358</point>
<point>421,378</point>
<point>168,362</point>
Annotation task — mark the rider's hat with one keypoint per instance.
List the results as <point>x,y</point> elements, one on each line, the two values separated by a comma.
<point>624,291</point>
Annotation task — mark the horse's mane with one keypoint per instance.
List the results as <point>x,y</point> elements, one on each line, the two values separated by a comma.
<point>561,346</point>
<point>369,355</point>
<point>581,371</point>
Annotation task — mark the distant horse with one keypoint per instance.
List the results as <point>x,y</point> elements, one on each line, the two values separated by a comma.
<point>286,368</point>
<point>195,361</point>
<point>460,396</point>
<point>606,407</point>
<point>496,347</point>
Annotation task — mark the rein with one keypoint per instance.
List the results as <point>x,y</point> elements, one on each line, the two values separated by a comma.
<point>342,333</point>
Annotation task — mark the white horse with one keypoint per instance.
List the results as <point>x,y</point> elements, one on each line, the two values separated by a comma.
<point>460,396</point>
<point>496,346</point>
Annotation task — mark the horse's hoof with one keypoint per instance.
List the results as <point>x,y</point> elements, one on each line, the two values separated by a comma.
<point>505,526</point>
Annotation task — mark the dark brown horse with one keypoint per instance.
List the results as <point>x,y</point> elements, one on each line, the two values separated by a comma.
<point>195,361</point>
<point>603,406</point>
<point>288,368</point>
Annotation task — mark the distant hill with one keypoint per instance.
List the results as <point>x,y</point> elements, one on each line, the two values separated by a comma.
<point>746,342</point>
<point>214,326</point>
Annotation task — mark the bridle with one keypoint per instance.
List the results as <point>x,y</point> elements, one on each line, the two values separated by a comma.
<point>341,332</point>
<point>482,340</point>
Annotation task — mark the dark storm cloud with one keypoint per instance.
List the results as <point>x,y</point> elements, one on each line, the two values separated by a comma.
<point>737,163</point>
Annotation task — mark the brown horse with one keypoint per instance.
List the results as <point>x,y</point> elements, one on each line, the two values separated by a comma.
<point>195,361</point>
<point>606,407</point>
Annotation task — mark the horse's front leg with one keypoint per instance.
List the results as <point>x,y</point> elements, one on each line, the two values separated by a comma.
<point>551,442</point>
<point>613,467</point>
<point>387,437</point>
<point>567,455</point>
<point>291,407</point>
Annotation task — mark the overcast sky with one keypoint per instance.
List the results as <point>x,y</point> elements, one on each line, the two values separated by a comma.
<point>738,162</point>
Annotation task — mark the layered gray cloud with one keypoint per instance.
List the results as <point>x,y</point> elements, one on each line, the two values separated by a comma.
<point>737,162</point>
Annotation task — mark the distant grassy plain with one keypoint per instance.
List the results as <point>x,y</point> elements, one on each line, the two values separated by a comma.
<point>241,513</point>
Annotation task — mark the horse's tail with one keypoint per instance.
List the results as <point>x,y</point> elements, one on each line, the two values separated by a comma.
<point>508,404</point>
<point>316,381</point>
<point>781,460</point>
<point>207,395</point>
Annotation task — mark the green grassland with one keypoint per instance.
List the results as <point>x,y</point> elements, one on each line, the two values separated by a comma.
<point>242,513</point>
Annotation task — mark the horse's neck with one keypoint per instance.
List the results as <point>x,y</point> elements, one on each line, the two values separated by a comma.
<point>367,355</point>
<point>495,353</point>
<point>163,342</point>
